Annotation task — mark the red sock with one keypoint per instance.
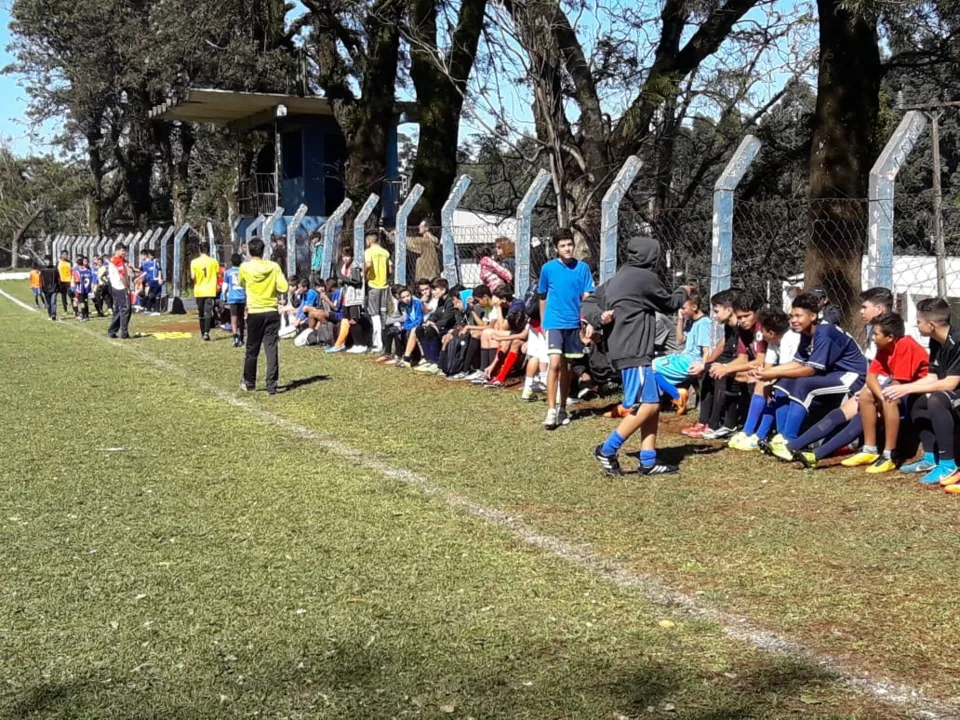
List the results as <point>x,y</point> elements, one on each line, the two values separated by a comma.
<point>508,364</point>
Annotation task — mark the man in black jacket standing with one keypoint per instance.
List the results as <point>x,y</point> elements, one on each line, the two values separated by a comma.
<point>626,306</point>
<point>50,283</point>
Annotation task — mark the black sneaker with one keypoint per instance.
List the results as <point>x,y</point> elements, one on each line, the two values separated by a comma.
<point>112,336</point>
<point>609,463</point>
<point>659,469</point>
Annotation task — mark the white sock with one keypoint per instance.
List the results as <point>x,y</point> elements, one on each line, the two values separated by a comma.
<point>870,449</point>
<point>528,384</point>
<point>377,331</point>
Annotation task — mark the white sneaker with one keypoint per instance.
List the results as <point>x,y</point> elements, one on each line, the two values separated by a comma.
<point>357,350</point>
<point>426,368</point>
<point>376,350</point>
<point>550,422</point>
<point>721,433</point>
<point>476,375</point>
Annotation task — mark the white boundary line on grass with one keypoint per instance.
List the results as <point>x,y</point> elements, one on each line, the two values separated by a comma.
<point>12,299</point>
<point>737,628</point>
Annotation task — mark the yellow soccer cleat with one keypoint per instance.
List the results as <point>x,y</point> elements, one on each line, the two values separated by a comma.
<point>861,459</point>
<point>882,465</point>
<point>953,489</point>
<point>950,480</point>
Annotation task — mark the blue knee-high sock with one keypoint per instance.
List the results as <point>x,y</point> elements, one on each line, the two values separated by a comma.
<point>648,458</point>
<point>795,415</point>
<point>611,446</point>
<point>781,408</point>
<point>831,422</point>
<point>766,422</point>
<point>666,386</point>
<point>847,435</point>
<point>757,404</point>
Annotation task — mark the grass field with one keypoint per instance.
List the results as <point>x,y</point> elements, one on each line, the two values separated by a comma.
<point>172,547</point>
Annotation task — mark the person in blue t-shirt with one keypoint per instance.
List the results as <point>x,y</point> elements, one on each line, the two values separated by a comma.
<point>235,297</point>
<point>83,286</point>
<point>829,365</point>
<point>564,284</point>
<point>152,282</point>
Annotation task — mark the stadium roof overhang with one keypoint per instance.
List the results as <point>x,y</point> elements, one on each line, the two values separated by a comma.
<point>248,111</point>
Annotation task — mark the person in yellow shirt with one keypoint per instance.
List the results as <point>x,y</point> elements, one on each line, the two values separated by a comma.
<point>65,270</point>
<point>262,280</point>
<point>203,272</point>
<point>36,283</point>
<point>376,261</point>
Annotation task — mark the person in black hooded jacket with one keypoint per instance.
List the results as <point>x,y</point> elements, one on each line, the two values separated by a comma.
<point>628,304</point>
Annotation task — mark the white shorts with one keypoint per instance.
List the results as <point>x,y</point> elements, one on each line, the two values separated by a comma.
<point>537,346</point>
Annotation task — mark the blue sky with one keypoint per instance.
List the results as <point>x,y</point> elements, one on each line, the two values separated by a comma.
<point>13,100</point>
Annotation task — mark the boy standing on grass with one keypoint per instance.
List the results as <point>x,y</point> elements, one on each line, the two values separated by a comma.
<point>376,263</point>
<point>899,360</point>
<point>564,284</point>
<point>262,280</point>
<point>628,305</point>
<point>203,271</point>
<point>935,411</point>
<point>50,283</point>
<point>236,298</point>
<point>36,285</point>
<point>66,277</point>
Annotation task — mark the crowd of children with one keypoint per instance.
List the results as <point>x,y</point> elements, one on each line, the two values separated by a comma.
<point>796,387</point>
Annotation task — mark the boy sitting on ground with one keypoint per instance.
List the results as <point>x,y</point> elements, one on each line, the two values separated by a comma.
<point>935,411</point>
<point>774,324</point>
<point>900,360</point>
<point>672,370</point>
<point>738,385</point>
<point>828,367</point>
<point>713,392</point>
<point>435,326</point>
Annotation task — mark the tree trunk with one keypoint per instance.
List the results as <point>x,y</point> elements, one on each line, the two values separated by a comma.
<point>440,82</point>
<point>842,153</point>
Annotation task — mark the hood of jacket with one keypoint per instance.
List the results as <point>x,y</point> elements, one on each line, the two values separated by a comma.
<point>642,252</point>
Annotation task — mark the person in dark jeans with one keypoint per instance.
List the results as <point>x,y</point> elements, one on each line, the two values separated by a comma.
<point>262,280</point>
<point>119,277</point>
<point>50,284</point>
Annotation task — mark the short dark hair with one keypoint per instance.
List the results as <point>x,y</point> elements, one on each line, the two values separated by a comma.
<point>878,296</point>
<point>481,291</point>
<point>936,310</point>
<point>693,297</point>
<point>236,259</point>
<point>255,247</point>
<point>119,246</point>
<point>424,281</point>
<point>807,301</point>
<point>562,234</point>
<point>395,290</point>
<point>891,323</point>
<point>304,283</point>
<point>504,292</point>
<point>746,300</point>
<point>774,320</point>
<point>724,298</point>
<point>204,247</point>
<point>440,283</point>
<point>48,258</point>
<point>347,249</point>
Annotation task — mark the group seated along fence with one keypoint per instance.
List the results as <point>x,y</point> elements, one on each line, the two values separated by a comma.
<point>767,246</point>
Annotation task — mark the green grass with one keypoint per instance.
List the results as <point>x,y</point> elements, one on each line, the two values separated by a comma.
<point>163,554</point>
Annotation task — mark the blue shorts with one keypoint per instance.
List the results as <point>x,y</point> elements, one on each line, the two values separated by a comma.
<point>565,342</point>
<point>673,368</point>
<point>639,386</point>
<point>807,389</point>
<point>36,291</point>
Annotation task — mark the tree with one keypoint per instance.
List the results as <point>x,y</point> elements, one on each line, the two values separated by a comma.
<point>572,90</point>
<point>38,195</point>
<point>356,47</point>
<point>843,149</point>
<point>440,79</point>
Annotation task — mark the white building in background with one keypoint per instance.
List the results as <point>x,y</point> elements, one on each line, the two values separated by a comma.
<point>473,231</point>
<point>914,279</point>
